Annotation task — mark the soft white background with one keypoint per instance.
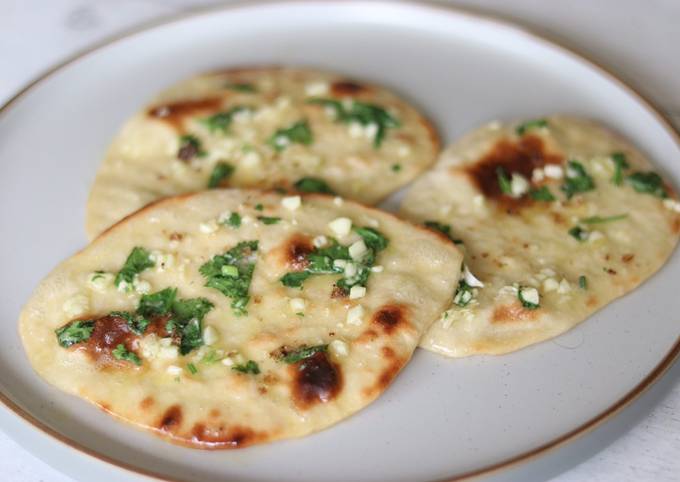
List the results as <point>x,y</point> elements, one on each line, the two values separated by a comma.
<point>637,39</point>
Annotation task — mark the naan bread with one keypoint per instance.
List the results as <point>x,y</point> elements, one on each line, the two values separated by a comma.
<point>266,362</point>
<point>263,128</point>
<point>570,256</point>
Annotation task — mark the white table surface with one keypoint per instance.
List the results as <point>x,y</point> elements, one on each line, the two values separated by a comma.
<point>636,39</point>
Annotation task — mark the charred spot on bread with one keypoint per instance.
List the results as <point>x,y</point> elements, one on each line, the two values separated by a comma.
<point>171,419</point>
<point>175,113</point>
<point>391,317</point>
<point>315,380</point>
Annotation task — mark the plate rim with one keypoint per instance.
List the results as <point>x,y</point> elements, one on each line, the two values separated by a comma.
<point>471,14</point>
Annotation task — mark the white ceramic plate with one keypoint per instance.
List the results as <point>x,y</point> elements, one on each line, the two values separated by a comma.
<point>441,418</point>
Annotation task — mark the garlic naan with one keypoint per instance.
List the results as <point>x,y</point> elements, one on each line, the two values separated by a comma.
<point>271,128</point>
<point>557,216</point>
<point>229,318</point>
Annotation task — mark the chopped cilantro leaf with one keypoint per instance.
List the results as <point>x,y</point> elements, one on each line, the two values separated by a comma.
<point>189,147</point>
<point>312,184</point>
<point>601,220</point>
<point>578,233</point>
<point>577,180</point>
<point>620,163</point>
<point>373,238</point>
<point>649,183</point>
<point>241,87</point>
<point>137,261</point>
<point>221,121</point>
<point>542,194</point>
<point>122,353</point>
<point>323,261</point>
<point>583,282</point>
<point>190,335</point>
<point>135,321</point>
<point>442,228</point>
<point>191,309</point>
<point>503,181</point>
<point>362,113</point>
<point>74,332</point>
<point>187,322</point>
<point>259,207</point>
<point>532,124</point>
<point>249,367</point>
<point>299,133</point>
<point>269,220</point>
<point>301,353</point>
<point>221,171</point>
<point>159,303</point>
<point>186,318</point>
<point>295,279</point>
<point>192,368</point>
<point>234,220</point>
<point>396,167</point>
<point>243,257</point>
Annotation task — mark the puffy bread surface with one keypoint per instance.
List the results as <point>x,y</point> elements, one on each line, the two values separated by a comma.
<point>201,399</point>
<point>363,141</point>
<point>512,243</point>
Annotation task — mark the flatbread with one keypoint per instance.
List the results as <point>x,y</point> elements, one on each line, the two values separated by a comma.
<point>270,362</point>
<point>513,243</point>
<point>361,140</point>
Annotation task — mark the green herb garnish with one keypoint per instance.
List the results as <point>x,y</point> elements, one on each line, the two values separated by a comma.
<point>135,321</point>
<point>221,171</point>
<point>464,294</point>
<point>373,238</point>
<point>532,124</point>
<point>189,147</point>
<point>234,220</point>
<point>186,316</point>
<point>243,257</point>
<point>269,220</point>
<point>122,353</point>
<point>648,183</point>
<point>137,261</point>
<point>159,303</point>
<point>299,133</point>
<point>362,113</point>
<point>579,234</point>
<point>188,322</point>
<point>295,279</point>
<point>259,207</point>
<point>601,220</point>
<point>578,181</point>
<point>583,282</point>
<point>74,332</point>
<point>302,353</point>
<point>620,163</point>
<point>221,121</point>
<point>323,261</point>
<point>249,367</point>
<point>503,181</point>
<point>542,194</point>
<point>312,184</point>
<point>241,87</point>
<point>192,368</point>
<point>442,228</point>
<point>396,167</point>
